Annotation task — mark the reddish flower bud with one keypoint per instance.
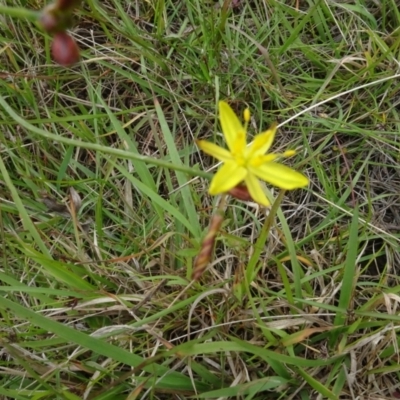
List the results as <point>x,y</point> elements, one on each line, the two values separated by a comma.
<point>49,22</point>
<point>241,192</point>
<point>67,5</point>
<point>64,49</point>
<point>53,19</point>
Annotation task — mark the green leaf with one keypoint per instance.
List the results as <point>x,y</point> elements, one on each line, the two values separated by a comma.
<point>317,385</point>
<point>349,272</point>
<point>252,388</point>
<point>187,196</point>
<point>170,379</point>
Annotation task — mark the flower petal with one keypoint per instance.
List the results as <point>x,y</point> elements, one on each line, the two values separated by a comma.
<point>227,177</point>
<point>256,191</point>
<point>256,161</point>
<point>212,149</point>
<point>279,175</point>
<point>230,124</point>
<point>262,142</point>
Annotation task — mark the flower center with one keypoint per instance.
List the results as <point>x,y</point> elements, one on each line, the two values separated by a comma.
<point>239,149</point>
<point>240,160</point>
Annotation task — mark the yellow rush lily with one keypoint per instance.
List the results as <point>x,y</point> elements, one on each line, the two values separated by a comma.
<point>248,163</point>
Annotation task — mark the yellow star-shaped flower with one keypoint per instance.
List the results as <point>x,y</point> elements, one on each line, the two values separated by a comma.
<point>248,163</point>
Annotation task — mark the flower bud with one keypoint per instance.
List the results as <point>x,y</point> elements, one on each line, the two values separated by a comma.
<point>289,153</point>
<point>67,5</point>
<point>241,192</point>
<point>64,49</point>
<point>53,20</point>
<point>246,115</point>
<point>49,22</point>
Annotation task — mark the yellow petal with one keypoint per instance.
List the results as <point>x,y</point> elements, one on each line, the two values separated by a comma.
<point>227,177</point>
<point>255,190</point>
<point>240,146</point>
<point>279,175</point>
<point>230,124</point>
<point>262,142</point>
<point>212,149</point>
<point>259,160</point>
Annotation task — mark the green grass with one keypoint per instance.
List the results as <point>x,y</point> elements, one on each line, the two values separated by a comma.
<point>101,305</point>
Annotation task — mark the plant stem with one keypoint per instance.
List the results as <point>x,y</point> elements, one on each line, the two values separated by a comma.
<point>259,245</point>
<point>97,147</point>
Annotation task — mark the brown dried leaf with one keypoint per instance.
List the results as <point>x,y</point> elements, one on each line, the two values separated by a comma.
<point>75,199</point>
<point>54,206</point>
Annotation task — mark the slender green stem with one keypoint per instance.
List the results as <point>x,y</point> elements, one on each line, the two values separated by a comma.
<point>19,12</point>
<point>259,246</point>
<point>255,257</point>
<point>97,147</point>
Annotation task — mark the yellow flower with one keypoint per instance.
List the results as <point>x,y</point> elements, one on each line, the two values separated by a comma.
<point>248,163</point>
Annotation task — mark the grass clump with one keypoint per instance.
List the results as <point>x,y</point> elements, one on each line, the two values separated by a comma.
<point>104,204</point>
